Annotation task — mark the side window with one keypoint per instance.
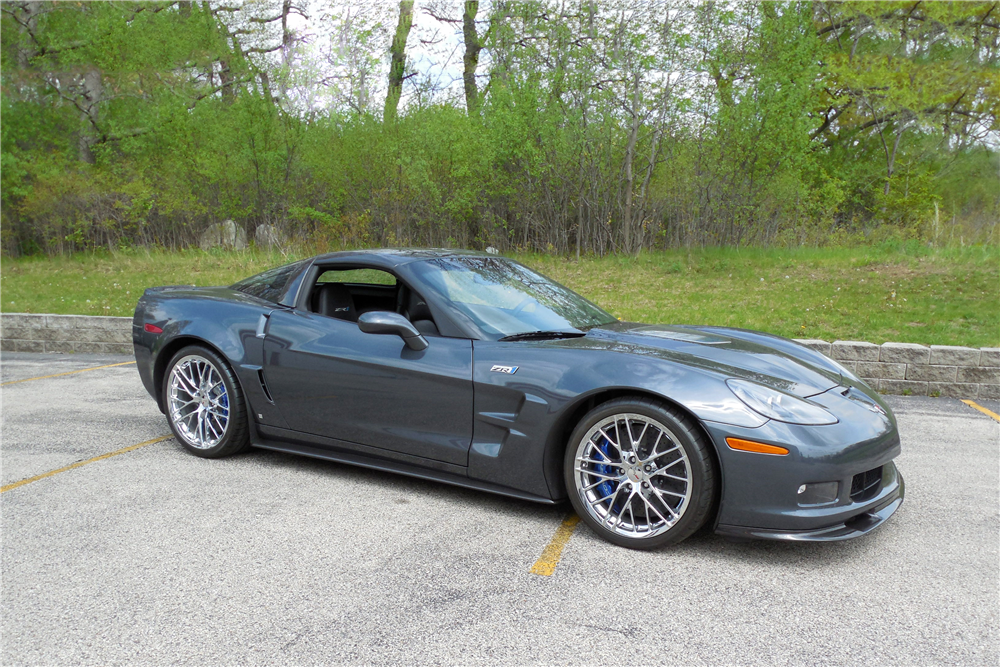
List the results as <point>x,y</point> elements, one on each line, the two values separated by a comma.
<point>346,293</point>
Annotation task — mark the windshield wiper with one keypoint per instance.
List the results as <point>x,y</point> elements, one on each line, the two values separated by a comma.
<point>543,335</point>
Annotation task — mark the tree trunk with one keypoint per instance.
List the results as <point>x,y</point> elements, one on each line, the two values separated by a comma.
<point>629,176</point>
<point>891,163</point>
<point>265,85</point>
<point>226,80</point>
<point>93,88</point>
<point>28,27</point>
<point>398,65</point>
<point>472,48</point>
<point>286,33</point>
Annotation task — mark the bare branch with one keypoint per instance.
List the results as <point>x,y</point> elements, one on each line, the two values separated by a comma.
<point>261,49</point>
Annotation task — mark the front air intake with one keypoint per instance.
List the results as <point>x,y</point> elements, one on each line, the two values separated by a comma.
<point>866,485</point>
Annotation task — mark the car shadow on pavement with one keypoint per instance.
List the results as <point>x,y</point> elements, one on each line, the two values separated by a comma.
<point>702,545</point>
<point>388,482</point>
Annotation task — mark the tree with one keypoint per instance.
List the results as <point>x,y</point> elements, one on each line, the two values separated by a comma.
<point>893,68</point>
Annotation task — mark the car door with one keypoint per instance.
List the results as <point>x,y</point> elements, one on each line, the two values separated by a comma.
<point>329,378</point>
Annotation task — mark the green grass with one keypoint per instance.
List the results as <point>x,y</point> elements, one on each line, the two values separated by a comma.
<point>888,293</point>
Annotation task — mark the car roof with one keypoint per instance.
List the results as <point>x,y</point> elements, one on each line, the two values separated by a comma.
<point>397,256</point>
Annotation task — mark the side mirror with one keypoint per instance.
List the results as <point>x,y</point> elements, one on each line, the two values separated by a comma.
<point>385,322</point>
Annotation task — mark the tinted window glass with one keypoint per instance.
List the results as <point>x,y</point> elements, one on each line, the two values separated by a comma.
<point>270,285</point>
<point>504,297</point>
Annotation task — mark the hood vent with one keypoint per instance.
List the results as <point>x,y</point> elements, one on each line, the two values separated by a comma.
<point>683,336</point>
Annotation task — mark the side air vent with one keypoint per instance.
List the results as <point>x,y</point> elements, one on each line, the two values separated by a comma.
<point>263,384</point>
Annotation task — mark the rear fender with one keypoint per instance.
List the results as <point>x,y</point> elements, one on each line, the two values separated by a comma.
<point>229,328</point>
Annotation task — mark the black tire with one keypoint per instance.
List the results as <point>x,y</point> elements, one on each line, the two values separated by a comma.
<point>662,508</point>
<point>235,435</point>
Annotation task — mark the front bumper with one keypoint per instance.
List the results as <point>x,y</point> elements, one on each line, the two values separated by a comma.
<point>859,524</point>
<point>760,492</point>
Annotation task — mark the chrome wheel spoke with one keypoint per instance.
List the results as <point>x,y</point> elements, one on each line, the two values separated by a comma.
<point>652,452</point>
<point>201,427</point>
<point>657,455</point>
<point>601,475</point>
<point>594,462</point>
<point>665,504</point>
<point>611,442</point>
<point>211,427</point>
<point>628,432</point>
<point>189,387</point>
<point>598,501</point>
<point>638,441</point>
<point>659,471</point>
<point>649,506</point>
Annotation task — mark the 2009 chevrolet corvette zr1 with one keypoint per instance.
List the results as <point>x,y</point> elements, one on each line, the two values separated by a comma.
<point>474,370</point>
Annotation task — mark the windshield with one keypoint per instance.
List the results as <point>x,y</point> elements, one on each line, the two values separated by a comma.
<point>506,298</point>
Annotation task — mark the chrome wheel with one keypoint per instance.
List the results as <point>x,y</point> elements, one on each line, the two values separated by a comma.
<point>198,402</point>
<point>633,475</point>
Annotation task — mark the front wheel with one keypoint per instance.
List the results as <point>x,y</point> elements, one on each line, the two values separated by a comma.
<point>204,404</point>
<point>640,473</point>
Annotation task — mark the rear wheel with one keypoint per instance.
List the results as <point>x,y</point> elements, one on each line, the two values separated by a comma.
<point>204,404</point>
<point>640,473</point>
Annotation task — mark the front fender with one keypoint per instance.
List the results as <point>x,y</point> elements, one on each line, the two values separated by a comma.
<point>522,419</point>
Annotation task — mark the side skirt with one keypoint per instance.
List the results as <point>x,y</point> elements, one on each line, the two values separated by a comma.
<point>386,465</point>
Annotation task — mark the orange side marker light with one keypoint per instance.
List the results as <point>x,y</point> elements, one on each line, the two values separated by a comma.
<point>756,447</point>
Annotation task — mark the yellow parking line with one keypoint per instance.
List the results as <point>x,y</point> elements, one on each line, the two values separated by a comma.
<point>50,473</point>
<point>982,409</point>
<point>82,370</point>
<point>546,563</point>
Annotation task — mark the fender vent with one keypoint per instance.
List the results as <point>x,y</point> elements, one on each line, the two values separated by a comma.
<point>866,485</point>
<point>263,384</point>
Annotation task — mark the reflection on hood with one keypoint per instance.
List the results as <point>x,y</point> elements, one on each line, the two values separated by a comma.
<point>728,352</point>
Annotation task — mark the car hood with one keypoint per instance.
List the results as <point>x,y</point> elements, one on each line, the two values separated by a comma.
<point>736,353</point>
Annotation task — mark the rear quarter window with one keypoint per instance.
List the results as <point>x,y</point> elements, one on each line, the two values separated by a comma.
<point>270,285</point>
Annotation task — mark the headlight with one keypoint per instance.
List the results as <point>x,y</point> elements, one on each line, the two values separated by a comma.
<point>778,405</point>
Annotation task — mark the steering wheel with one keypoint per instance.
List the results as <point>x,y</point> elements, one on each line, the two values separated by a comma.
<point>524,304</point>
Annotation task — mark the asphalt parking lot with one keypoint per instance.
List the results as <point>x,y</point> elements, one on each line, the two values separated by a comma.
<point>155,556</point>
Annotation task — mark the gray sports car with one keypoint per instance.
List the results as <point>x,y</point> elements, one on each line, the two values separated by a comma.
<point>472,369</point>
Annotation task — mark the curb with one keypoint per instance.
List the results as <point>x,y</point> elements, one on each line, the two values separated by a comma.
<point>890,368</point>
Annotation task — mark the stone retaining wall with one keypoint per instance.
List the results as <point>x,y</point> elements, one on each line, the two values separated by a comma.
<point>21,332</point>
<point>891,368</point>
<point>908,368</point>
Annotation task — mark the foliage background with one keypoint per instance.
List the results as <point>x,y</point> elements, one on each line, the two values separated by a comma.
<point>589,127</point>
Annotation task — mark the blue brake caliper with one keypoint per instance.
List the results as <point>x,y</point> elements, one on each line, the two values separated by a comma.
<point>224,399</point>
<point>607,487</point>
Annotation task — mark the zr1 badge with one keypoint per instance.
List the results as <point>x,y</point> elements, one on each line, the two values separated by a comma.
<point>509,370</point>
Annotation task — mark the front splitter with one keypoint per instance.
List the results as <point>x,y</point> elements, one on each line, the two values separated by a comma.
<point>856,526</point>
